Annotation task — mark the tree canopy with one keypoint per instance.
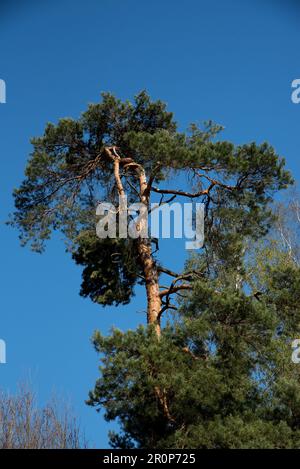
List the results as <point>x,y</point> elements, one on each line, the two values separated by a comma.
<point>219,373</point>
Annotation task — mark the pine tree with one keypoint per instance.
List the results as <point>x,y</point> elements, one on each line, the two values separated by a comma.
<point>194,382</point>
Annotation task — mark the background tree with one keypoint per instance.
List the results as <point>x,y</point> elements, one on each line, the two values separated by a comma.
<point>287,228</point>
<point>25,425</point>
<point>117,149</point>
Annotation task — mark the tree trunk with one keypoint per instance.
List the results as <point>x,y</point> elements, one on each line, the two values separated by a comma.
<point>144,244</point>
<point>152,286</point>
<point>149,266</point>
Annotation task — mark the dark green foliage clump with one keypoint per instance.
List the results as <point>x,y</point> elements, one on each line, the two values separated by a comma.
<point>110,268</point>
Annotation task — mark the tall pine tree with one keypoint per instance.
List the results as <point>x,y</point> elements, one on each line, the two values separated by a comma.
<point>202,381</point>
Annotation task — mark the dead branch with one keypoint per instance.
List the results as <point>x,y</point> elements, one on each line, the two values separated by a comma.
<point>175,289</point>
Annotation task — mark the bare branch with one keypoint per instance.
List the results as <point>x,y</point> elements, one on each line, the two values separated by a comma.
<point>175,289</point>
<point>183,193</point>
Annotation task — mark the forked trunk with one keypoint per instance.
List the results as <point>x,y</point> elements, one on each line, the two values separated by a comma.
<point>144,244</point>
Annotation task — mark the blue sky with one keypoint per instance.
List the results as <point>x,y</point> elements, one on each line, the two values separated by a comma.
<point>227,60</point>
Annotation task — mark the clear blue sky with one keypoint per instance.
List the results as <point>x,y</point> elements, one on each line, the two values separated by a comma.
<point>228,60</point>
